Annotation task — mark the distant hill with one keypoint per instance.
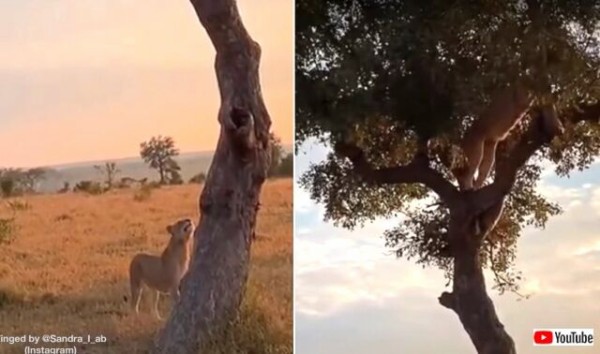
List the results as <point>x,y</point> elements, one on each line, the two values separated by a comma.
<point>191,164</point>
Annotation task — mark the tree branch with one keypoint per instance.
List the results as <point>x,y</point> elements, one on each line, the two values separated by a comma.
<point>417,171</point>
<point>447,300</point>
<point>531,141</point>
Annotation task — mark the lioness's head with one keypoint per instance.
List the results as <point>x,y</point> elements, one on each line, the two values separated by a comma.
<point>181,230</point>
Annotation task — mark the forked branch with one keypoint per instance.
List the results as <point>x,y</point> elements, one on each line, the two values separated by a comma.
<point>530,142</point>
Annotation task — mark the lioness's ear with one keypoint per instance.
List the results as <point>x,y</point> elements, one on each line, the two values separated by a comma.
<point>170,229</point>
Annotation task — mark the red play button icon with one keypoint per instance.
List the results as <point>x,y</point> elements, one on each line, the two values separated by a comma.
<point>542,337</point>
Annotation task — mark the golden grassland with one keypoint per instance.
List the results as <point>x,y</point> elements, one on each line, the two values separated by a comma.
<point>66,271</point>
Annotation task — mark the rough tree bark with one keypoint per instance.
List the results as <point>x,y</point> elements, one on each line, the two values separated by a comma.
<point>469,298</point>
<point>212,290</point>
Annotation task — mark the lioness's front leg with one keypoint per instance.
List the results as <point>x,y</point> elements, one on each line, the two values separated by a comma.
<point>156,299</point>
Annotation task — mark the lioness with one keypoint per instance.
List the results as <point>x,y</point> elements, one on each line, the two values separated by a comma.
<point>163,273</point>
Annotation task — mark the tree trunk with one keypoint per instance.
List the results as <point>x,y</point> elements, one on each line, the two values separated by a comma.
<point>161,172</point>
<point>469,298</point>
<point>212,290</point>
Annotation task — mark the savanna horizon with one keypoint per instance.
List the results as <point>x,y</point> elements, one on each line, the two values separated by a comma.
<point>288,147</point>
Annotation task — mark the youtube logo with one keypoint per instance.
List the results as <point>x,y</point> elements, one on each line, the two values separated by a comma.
<point>542,337</point>
<point>566,337</point>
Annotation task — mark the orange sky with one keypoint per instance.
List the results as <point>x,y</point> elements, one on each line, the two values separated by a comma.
<point>89,80</point>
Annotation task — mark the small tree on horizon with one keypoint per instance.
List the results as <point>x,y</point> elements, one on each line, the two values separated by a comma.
<point>30,178</point>
<point>109,170</point>
<point>159,152</point>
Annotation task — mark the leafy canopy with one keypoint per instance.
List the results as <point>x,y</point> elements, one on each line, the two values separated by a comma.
<point>159,153</point>
<point>391,74</point>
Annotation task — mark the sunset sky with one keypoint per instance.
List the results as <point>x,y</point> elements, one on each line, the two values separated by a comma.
<point>353,297</point>
<point>89,80</point>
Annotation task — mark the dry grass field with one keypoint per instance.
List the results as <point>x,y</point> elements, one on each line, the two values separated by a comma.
<point>66,270</point>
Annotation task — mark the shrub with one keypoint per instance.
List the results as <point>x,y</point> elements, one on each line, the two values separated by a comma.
<point>63,217</point>
<point>126,182</point>
<point>9,296</point>
<point>18,205</point>
<point>109,170</point>
<point>152,185</point>
<point>144,193</point>
<point>66,187</point>
<point>90,187</point>
<point>8,230</point>
<point>175,178</point>
<point>199,178</point>
<point>8,187</point>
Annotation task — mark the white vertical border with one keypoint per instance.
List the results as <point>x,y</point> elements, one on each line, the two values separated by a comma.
<point>294,176</point>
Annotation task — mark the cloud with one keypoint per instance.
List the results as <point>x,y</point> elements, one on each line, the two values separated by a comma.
<point>595,199</point>
<point>328,290</point>
<point>404,324</point>
<point>353,298</point>
<point>302,201</point>
<point>336,268</point>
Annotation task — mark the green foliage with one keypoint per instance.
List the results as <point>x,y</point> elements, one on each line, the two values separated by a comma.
<point>388,75</point>
<point>199,178</point>
<point>159,152</point>
<point>90,187</point>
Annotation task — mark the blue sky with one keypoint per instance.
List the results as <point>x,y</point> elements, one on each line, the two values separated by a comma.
<point>353,297</point>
